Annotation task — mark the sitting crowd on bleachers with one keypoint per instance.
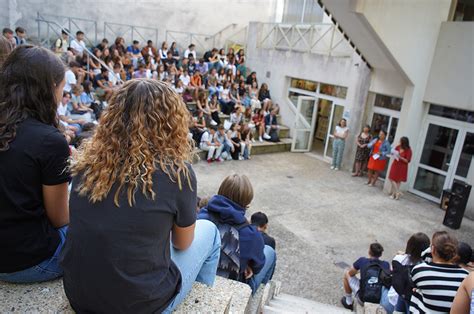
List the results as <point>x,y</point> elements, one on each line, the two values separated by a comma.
<point>230,109</point>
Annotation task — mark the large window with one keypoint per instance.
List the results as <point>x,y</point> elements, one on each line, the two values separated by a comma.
<point>302,12</point>
<point>388,102</point>
<point>452,113</point>
<point>464,11</point>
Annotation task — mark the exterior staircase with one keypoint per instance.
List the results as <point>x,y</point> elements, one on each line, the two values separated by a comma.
<point>285,303</point>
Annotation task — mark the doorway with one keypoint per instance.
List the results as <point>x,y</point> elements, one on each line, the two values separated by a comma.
<point>446,157</point>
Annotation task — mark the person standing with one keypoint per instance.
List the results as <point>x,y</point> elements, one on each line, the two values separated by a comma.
<point>380,148</point>
<point>134,245</point>
<point>338,144</point>
<point>363,151</point>
<point>33,157</point>
<point>399,169</point>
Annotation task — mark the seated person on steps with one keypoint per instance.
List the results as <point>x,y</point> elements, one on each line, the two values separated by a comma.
<point>260,220</point>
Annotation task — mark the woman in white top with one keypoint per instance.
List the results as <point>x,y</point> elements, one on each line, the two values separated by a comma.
<point>163,52</point>
<point>340,135</point>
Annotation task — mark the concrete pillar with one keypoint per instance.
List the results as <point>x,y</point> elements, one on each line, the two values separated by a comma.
<point>357,93</point>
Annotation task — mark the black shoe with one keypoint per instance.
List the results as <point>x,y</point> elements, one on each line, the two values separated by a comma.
<point>347,306</point>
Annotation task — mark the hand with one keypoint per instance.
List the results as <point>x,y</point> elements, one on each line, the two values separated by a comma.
<point>248,273</point>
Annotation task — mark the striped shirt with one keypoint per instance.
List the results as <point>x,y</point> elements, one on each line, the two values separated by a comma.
<point>436,286</point>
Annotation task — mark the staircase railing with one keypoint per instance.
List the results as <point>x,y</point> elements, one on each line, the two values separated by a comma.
<point>322,38</point>
<point>73,24</point>
<point>130,32</point>
<point>55,29</point>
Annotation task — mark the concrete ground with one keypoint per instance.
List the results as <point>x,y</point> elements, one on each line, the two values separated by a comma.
<point>324,220</point>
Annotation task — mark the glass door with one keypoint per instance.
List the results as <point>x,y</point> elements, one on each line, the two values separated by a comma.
<point>464,167</point>
<point>434,168</point>
<point>306,112</point>
<point>337,112</point>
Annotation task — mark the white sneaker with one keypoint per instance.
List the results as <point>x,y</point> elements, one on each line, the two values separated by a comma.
<point>332,167</point>
<point>260,139</point>
<point>266,136</point>
<point>336,169</point>
<point>213,122</point>
<point>241,158</point>
<point>253,140</point>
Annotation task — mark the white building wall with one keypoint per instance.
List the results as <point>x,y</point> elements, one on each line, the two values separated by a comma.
<point>281,65</point>
<point>387,82</point>
<point>451,79</point>
<point>198,16</point>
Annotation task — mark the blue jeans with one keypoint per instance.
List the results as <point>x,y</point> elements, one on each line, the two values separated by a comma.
<point>402,306</point>
<point>198,262</point>
<point>44,271</point>
<point>384,302</point>
<point>267,271</point>
<point>337,152</point>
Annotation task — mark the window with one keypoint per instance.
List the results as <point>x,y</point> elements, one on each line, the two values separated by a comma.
<point>333,90</point>
<point>302,12</point>
<point>464,11</point>
<point>303,84</point>
<point>452,113</point>
<point>388,102</point>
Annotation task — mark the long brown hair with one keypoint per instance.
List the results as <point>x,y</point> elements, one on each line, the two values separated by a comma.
<point>145,126</point>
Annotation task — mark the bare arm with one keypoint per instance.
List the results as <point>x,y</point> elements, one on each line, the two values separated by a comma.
<point>182,237</point>
<point>462,299</point>
<point>56,204</point>
<point>352,272</point>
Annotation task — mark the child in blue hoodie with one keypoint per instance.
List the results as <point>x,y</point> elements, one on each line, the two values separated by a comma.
<point>257,260</point>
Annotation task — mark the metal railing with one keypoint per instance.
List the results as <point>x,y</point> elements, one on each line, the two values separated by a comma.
<point>203,42</point>
<point>73,24</point>
<point>56,29</point>
<point>323,39</point>
<point>130,32</point>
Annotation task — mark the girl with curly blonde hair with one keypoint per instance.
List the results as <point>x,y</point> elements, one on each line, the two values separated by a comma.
<point>133,244</point>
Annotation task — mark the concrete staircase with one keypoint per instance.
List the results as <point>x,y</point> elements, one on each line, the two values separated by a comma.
<point>266,147</point>
<point>285,303</point>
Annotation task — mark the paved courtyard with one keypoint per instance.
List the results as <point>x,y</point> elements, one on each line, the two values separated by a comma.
<point>323,219</point>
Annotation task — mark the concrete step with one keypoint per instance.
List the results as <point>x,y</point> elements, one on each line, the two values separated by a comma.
<point>226,296</point>
<point>285,303</point>
<point>262,148</point>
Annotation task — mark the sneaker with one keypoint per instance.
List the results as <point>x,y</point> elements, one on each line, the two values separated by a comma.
<point>345,305</point>
<point>241,158</point>
<point>253,140</point>
<point>209,161</point>
<point>266,136</point>
<point>332,167</point>
<point>260,139</point>
<point>213,122</point>
<point>337,169</point>
<point>218,159</point>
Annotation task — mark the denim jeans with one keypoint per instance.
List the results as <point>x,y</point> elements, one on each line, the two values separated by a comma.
<point>337,152</point>
<point>384,301</point>
<point>198,262</point>
<point>44,271</point>
<point>267,271</point>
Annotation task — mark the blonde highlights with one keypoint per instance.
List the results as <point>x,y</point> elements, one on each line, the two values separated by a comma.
<point>145,126</point>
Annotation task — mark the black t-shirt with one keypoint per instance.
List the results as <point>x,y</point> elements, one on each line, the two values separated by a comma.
<point>117,259</point>
<point>36,157</point>
<point>270,241</point>
<point>99,78</point>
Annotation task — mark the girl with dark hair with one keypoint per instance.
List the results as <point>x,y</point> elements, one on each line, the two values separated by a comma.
<point>33,157</point>
<point>338,144</point>
<point>436,282</point>
<point>174,51</point>
<point>134,245</point>
<point>391,301</point>
<point>363,151</point>
<point>398,171</point>
<point>379,149</point>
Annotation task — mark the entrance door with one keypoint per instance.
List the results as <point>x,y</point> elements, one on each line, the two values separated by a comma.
<point>446,156</point>
<point>337,111</point>
<point>306,112</point>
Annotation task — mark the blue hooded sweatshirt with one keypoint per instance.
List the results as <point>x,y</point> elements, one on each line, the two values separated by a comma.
<point>251,241</point>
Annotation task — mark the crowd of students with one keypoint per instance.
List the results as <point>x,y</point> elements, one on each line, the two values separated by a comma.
<point>216,83</point>
<point>129,228</point>
<point>434,276</point>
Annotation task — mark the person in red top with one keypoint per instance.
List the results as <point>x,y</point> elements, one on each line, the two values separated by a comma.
<point>399,169</point>
<point>259,121</point>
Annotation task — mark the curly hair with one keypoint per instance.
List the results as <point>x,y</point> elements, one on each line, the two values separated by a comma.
<point>145,125</point>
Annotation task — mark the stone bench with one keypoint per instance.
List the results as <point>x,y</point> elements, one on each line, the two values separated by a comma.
<point>226,296</point>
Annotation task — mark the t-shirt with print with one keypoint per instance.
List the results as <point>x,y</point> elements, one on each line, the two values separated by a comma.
<point>117,259</point>
<point>37,156</point>
<point>363,261</point>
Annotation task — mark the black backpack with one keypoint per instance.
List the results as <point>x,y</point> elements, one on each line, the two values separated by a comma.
<point>229,261</point>
<point>401,280</point>
<point>372,278</point>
